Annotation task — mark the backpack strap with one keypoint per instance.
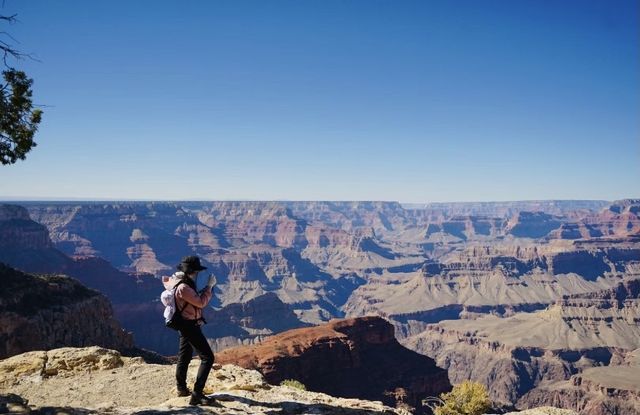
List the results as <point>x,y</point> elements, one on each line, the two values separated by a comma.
<point>175,299</point>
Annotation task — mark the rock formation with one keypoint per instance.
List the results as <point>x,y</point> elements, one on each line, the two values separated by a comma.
<point>572,348</point>
<point>595,391</point>
<point>98,381</point>
<point>249,322</point>
<point>357,358</point>
<point>45,312</point>
<point>532,224</point>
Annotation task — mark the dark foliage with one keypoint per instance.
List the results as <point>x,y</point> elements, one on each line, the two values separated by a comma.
<point>18,119</point>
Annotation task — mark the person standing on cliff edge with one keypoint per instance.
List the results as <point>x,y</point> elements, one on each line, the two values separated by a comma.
<point>190,304</point>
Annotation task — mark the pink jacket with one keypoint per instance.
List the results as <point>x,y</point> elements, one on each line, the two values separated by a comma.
<point>190,302</point>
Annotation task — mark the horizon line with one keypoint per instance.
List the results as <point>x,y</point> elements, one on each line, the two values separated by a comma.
<point>143,200</point>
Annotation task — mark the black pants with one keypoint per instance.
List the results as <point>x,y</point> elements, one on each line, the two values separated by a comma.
<point>191,337</point>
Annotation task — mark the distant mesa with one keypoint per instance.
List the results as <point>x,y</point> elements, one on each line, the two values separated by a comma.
<point>532,224</point>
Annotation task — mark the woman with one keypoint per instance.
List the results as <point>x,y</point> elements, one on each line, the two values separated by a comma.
<point>190,304</point>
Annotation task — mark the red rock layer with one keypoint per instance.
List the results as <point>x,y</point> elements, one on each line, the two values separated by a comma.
<point>357,358</point>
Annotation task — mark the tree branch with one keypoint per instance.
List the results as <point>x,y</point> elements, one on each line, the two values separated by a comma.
<point>7,50</point>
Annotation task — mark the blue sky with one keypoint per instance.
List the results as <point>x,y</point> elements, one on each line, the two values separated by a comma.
<point>415,101</point>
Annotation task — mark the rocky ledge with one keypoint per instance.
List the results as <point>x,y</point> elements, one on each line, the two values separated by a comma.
<point>94,380</point>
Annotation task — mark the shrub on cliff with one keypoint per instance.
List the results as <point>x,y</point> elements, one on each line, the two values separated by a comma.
<point>293,384</point>
<point>466,398</point>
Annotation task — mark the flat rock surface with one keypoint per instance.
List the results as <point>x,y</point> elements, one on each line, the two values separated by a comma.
<point>96,380</point>
<point>625,378</point>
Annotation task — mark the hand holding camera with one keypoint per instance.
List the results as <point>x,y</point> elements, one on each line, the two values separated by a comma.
<point>212,281</point>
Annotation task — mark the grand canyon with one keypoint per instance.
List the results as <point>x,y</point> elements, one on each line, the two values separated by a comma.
<point>538,300</point>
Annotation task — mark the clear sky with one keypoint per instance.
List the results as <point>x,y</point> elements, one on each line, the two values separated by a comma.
<point>415,101</point>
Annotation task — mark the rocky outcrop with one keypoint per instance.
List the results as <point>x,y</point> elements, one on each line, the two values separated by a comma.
<point>17,230</point>
<point>45,312</point>
<point>357,358</point>
<point>25,243</point>
<point>98,381</point>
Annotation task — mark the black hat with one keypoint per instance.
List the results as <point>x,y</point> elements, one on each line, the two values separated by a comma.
<point>190,264</point>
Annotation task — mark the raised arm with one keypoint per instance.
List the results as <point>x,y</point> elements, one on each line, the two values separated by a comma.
<point>189,295</point>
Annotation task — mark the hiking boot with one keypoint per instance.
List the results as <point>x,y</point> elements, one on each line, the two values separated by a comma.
<point>183,391</point>
<point>202,399</point>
